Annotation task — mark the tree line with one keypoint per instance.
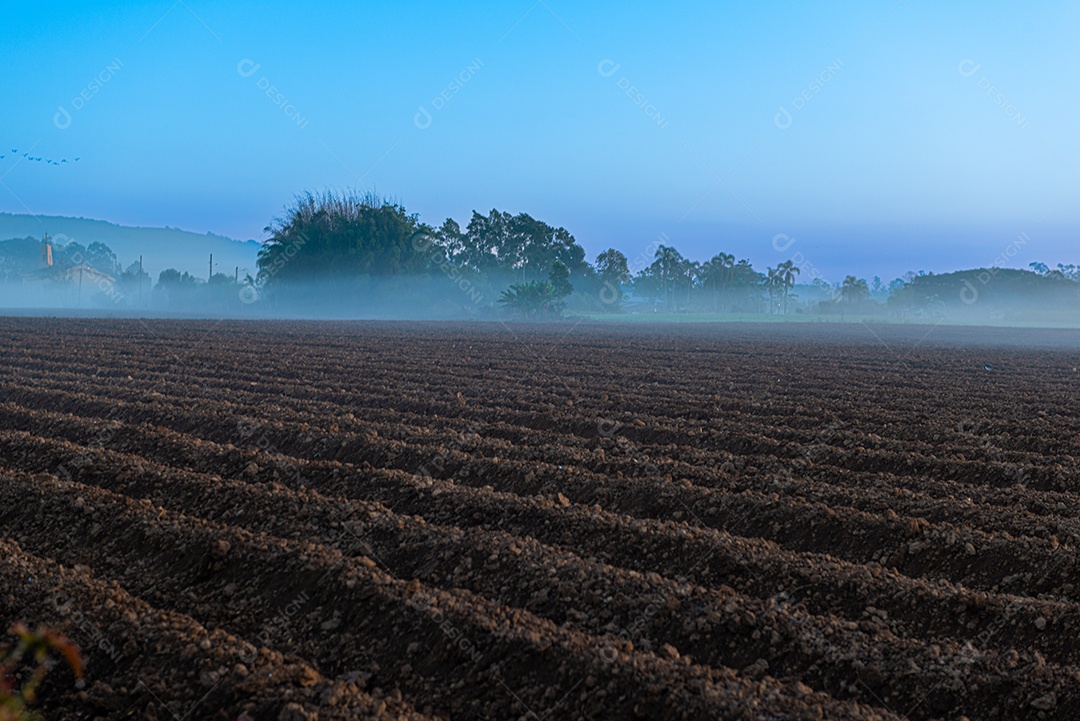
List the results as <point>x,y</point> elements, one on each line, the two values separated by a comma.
<point>359,245</point>
<point>348,255</point>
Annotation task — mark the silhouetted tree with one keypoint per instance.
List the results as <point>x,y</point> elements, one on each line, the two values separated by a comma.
<point>533,300</point>
<point>135,285</point>
<point>559,276</point>
<point>614,273</point>
<point>774,285</point>
<point>172,278</point>
<point>854,290</point>
<point>786,273</point>
<point>670,272</point>
<point>174,288</point>
<point>716,274</point>
<point>18,256</point>
<point>336,237</point>
<point>100,257</point>
<point>515,245</point>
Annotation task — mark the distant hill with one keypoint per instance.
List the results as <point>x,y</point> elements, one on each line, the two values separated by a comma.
<point>161,248</point>
<point>1003,293</point>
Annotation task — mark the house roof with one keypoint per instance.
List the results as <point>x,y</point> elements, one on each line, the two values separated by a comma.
<point>70,273</point>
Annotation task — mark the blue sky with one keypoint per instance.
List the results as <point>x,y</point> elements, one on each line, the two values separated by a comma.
<point>885,137</point>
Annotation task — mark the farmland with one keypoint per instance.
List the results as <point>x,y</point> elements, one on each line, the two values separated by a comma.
<point>350,520</point>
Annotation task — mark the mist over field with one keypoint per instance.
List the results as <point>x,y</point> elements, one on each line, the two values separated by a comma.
<point>343,255</point>
<point>676,167</point>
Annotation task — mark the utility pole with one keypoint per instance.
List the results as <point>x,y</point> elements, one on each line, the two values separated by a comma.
<point>236,276</point>
<point>140,281</point>
<point>211,268</point>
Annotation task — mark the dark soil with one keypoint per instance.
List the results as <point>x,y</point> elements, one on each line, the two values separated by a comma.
<point>300,520</point>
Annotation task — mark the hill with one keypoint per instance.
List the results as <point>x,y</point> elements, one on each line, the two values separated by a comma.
<point>161,248</point>
<point>997,293</point>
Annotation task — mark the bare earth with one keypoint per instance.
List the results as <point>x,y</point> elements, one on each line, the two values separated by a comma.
<point>300,520</point>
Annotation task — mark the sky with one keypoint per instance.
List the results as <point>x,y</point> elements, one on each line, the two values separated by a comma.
<point>871,138</point>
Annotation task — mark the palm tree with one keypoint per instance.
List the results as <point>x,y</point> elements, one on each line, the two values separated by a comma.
<point>772,284</point>
<point>689,271</point>
<point>854,290</point>
<point>668,266</point>
<point>710,277</point>
<point>533,299</point>
<point>787,272</point>
<point>726,262</point>
<point>718,271</point>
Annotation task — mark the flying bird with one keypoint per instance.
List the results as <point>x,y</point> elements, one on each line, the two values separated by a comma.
<point>987,366</point>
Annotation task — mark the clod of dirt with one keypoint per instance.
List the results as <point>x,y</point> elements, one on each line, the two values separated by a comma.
<point>296,712</point>
<point>1046,702</point>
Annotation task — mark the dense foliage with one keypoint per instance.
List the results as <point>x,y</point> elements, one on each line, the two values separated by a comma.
<point>349,255</point>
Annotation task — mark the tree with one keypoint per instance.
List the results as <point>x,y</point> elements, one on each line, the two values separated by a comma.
<point>175,288</point>
<point>559,277</point>
<point>100,257</point>
<point>532,300</point>
<point>450,239</point>
<point>647,285</point>
<point>746,284</point>
<point>614,274</point>
<point>487,245</point>
<point>717,274</point>
<point>773,284</point>
<point>689,273</point>
<point>172,278</point>
<point>335,237</point>
<point>822,286</point>
<point>668,271</point>
<point>18,256</point>
<point>519,246</point>
<point>542,246</point>
<point>133,283</point>
<point>69,254</point>
<point>786,273</point>
<point>854,290</point>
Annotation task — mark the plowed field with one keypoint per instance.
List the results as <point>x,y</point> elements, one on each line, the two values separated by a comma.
<point>297,521</point>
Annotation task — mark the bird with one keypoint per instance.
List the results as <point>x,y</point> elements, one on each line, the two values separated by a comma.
<point>14,150</point>
<point>987,366</point>
<point>64,160</point>
<point>76,160</point>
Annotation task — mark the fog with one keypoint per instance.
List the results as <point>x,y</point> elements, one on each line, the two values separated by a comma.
<point>389,299</point>
<point>982,297</point>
